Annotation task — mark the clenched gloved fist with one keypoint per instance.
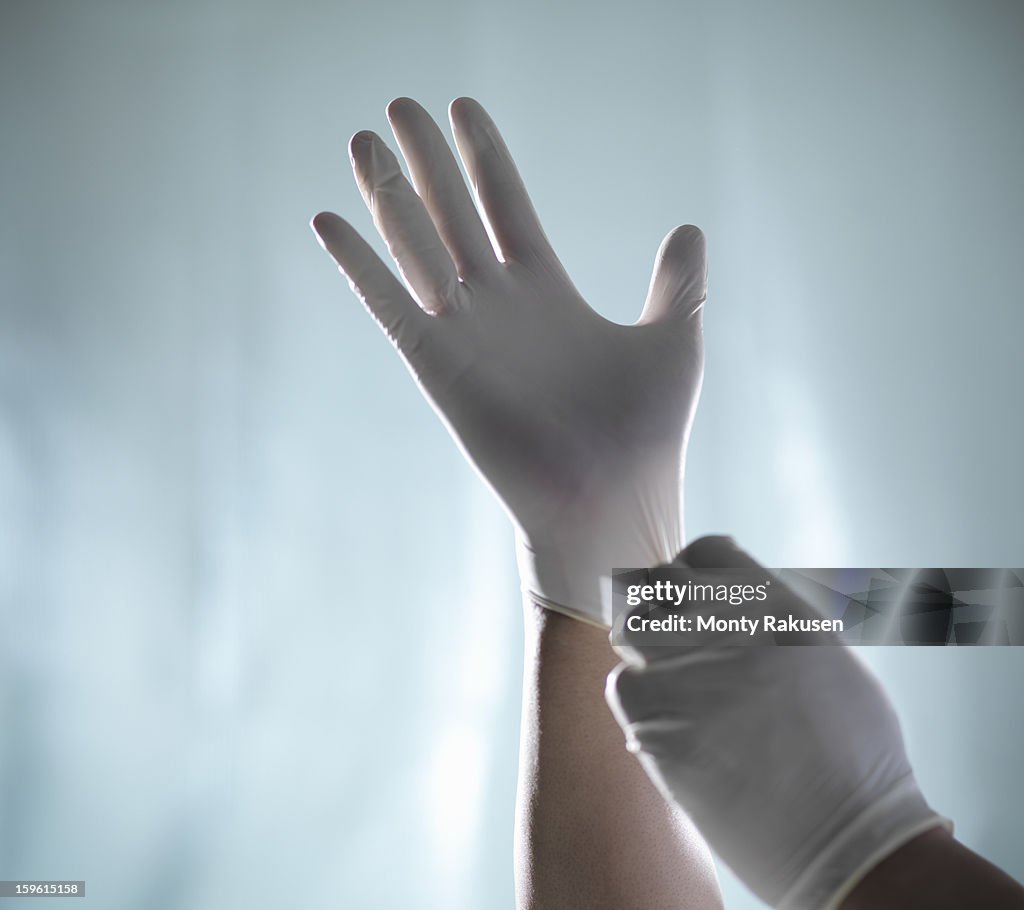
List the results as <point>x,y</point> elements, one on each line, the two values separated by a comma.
<point>578,424</point>
<point>789,759</point>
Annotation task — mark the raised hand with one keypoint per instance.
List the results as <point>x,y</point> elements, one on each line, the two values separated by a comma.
<point>578,424</point>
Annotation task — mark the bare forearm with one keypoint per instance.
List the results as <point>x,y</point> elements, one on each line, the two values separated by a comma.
<point>936,872</point>
<point>591,829</point>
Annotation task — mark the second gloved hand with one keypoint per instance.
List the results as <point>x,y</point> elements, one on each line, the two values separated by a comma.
<point>789,759</point>
<point>578,424</point>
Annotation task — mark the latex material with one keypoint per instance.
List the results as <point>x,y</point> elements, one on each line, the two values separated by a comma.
<point>578,424</point>
<point>790,760</point>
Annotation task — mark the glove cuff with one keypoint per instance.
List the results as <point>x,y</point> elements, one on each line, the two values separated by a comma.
<point>885,826</point>
<point>564,610</point>
<point>568,583</point>
<point>574,575</point>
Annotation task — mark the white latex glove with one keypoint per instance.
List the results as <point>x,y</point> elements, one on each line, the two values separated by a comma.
<point>789,759</point>
<point>578,424</point>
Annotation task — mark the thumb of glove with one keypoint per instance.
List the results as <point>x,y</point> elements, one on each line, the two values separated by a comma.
<point>679,284</point>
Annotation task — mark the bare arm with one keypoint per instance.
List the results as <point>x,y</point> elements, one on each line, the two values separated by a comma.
<point>936,872</point>
<point>591,829</point>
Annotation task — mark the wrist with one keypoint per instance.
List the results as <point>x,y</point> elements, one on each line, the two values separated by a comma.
<point>566,564</point>
<point>877,831</point>
<point>573,576</point>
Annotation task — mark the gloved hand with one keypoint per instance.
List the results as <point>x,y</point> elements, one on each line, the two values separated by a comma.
<point>578,424</point>
<point>789,759</point>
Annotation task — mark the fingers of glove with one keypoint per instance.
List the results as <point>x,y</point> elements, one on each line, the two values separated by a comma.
<point>653,633</point>
<point>404,224</point>
<point>624,692</point>
<point>716,551</point>
<point>628,642</point>
<point>693,683</point>
<point>722,552</point>
<point>498,186</point>
<point>373,282</point>
<point>679,283</point>
<point>438,180</point>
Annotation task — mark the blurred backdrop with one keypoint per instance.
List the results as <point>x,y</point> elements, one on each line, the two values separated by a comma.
<point>260,637</point>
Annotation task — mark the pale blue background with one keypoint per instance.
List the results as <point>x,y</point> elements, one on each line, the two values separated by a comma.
<point>259,629</point>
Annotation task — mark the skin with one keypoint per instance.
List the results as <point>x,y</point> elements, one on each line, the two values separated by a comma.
<point>591,829</point>
<point>935,872</point>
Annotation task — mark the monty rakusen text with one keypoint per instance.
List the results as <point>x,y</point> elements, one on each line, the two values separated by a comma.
<point>676,595</point>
